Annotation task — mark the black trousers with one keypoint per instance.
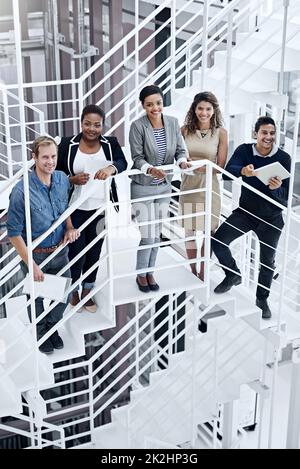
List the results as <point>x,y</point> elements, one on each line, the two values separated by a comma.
<point>86,261</point>
<point>238,223</point>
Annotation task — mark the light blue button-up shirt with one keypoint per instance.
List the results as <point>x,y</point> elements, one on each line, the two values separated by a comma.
<point>46,206</point>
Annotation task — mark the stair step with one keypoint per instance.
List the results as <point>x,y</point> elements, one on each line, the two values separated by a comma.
<point>24,376</point>
<point>110,436</point>
<point>260,324</point>
<point>20,369</point>
<point>239,97</point>
<point>36,402</point>
<point>73,346</point>
<point>261,79</point>
<point>120,414</point>
<point>126,290</point>
<point>265,34</point>
<point>137,394</point>
<point>248,51</point>
<point>85,322</point>
<point>262,389</point>
<point>16,307</point>
<point>10,402</point>
<point>238,302</point>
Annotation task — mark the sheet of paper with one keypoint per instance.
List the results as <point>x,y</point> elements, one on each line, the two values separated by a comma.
<point>53,287</point>
<point>94,188</point>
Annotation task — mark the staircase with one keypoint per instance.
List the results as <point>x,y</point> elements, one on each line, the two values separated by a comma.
<point>247,83</point>
<point>183,396</point>
<point>161,404</point>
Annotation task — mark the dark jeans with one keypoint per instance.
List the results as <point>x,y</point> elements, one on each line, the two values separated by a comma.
<point>86,261</point>
<point>265,233</point>
<point>54,266</point>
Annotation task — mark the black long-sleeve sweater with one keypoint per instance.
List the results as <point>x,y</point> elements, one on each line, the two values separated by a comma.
<point>250,201</point>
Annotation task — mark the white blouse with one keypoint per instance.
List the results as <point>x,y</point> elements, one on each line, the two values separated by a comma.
<point>94,189</point>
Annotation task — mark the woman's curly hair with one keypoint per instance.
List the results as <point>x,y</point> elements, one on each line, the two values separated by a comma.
<point>191,121</point>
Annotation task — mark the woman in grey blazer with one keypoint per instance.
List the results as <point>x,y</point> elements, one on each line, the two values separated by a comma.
<point>155,140</point>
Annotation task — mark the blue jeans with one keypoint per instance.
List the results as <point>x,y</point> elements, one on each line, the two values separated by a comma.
<point>241,223</point>
<point>54,266</point>
<point>87,235</point>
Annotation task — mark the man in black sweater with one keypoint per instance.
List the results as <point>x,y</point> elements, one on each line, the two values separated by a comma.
<point>254,212</point>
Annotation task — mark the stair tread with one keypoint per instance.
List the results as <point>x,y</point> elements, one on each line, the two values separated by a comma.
<point>10,403</point>
<point>126,291</point>
<point>110,436</point>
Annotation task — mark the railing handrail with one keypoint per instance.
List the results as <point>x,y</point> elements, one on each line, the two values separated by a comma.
<point>211,24</point>
<point>230,6</point>
<point>168,167</point>
<point>196,165</point>
<point>5,89</point>
<point>171,167</point>
<point>205,162</point>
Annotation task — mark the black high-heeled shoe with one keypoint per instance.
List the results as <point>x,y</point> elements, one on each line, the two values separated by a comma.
<point>143,288</point>
<point>153,286</point>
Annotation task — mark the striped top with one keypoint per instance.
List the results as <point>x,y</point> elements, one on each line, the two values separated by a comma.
<point>161,142</point>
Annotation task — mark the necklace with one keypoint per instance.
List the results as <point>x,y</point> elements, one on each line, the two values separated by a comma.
<point>203,132</point>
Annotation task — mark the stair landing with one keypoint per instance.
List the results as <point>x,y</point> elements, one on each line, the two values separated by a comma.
<point>172,279</point>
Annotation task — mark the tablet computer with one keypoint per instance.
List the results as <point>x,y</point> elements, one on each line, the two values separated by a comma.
<point>265,173</point>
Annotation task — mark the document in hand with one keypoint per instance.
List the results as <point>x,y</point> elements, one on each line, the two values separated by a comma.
<point>271,170</point>
<point>53,287</point>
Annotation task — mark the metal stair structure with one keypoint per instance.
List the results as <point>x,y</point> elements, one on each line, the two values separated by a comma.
<point>254,70</point>
<point>183,396</point>
<point>166,404</point>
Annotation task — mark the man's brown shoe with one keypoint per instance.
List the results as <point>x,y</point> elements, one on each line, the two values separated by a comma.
<point>75,299</point>
<point>90,305</point>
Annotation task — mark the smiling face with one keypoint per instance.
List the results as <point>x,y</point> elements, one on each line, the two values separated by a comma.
<point>204,112</point>
<point>265,138</point>
<point>45,160</point>
<point>153,105</point>
<point>91,127</point>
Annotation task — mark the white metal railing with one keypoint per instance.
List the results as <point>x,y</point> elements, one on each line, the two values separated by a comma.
<point>114,276</point>
<point>93,403</point>
<point>10,124</point>
<point>36,435</point>
<point>175,218</point>
<point>129,83</point>
<point>139,370</point>
<point>204,374</point>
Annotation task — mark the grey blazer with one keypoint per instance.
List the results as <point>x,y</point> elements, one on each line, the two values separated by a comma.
<point>144,149</point>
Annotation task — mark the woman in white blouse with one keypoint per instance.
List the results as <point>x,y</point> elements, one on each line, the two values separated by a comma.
<point>87,158</point>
